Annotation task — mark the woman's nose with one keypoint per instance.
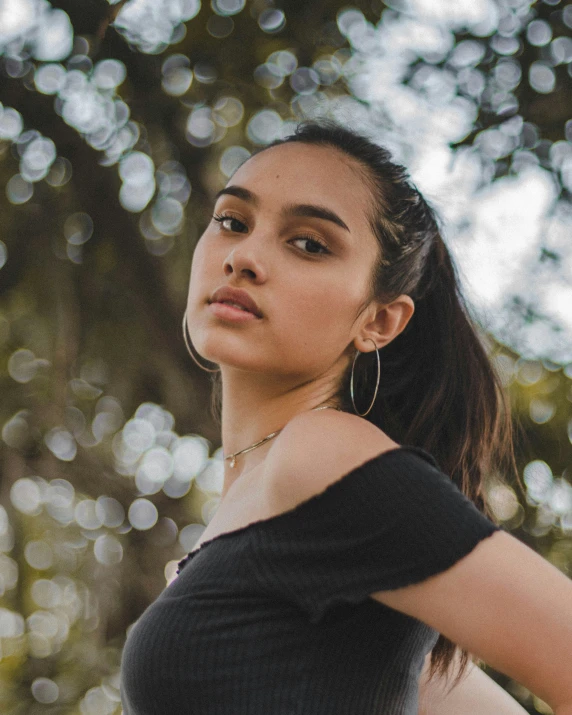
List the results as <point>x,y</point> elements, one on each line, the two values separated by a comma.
<point>245,260</point>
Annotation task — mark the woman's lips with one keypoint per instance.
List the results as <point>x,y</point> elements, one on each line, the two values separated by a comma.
<point>229,312</point>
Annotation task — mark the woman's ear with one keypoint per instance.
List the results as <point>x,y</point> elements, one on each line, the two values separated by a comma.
<point>384,322</point>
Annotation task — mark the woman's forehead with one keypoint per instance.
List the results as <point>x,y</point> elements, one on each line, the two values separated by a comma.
<point>305,172</point>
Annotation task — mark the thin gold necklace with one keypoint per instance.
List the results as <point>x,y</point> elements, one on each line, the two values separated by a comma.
<point>232,457</point>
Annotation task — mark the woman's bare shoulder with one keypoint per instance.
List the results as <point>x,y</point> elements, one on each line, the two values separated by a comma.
<point>317,448</point>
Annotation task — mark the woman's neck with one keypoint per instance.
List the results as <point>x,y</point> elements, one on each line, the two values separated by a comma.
<point>251,411</point>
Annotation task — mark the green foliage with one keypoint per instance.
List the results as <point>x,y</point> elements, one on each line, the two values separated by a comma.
<point>114,135</point>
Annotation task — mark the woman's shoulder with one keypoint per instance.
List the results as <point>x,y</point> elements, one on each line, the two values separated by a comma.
<point>317,448</point>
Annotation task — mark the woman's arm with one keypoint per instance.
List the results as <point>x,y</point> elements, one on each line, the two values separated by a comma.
<point>475,694</point>
<point>507,605</point>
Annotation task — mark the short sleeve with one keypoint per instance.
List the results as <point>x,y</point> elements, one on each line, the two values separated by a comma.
<point>393,521</point>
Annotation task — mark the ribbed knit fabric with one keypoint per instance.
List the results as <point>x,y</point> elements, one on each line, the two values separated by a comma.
<point>275,618</point>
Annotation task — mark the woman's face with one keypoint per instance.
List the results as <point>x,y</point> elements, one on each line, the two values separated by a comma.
<point>308,275</point>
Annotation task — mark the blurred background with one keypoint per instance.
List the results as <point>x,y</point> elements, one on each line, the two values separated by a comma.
<point>118,123</point>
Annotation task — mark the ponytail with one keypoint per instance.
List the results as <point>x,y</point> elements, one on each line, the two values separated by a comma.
<point>438,389</point>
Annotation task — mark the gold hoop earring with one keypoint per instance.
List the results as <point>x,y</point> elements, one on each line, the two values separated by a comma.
<point>189,349</point>
<point>377,385</point>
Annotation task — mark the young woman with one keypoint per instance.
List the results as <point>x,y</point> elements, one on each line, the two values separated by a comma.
<point>352,554</point>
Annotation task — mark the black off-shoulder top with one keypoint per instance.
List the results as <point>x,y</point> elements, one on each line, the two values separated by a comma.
<point>276,618</point>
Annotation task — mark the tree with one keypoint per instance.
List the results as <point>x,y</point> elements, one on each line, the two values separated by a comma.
<point>118,124</point>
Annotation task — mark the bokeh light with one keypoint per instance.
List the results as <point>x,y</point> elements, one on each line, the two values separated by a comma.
<point>25,496</point>
<point>272,20</point>
<point>39,555</point>
<point>538,479</point>
<point>142,514</point>
<point>538,33</point>
<point>61,443</point>
<point>227,7</point>
<point>45,690</point>
<point>264,126</point>
<point>189,535</point>
<point>220,26</point>
<point>232,158</point>
<point>151,25</point>
<point>19,190</point>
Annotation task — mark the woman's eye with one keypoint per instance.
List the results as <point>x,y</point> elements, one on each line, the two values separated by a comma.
<point>222,219</point>
<point>315,247</point>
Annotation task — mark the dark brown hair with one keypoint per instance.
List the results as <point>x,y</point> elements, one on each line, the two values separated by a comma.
<point>439,389</point>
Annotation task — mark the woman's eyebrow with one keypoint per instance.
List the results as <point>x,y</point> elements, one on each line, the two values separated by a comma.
<point>308,210</point>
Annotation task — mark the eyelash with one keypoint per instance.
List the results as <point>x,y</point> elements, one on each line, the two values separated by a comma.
<point>228,217</point>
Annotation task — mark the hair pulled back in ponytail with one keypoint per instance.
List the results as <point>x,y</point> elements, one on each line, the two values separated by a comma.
<point>438,388</point>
